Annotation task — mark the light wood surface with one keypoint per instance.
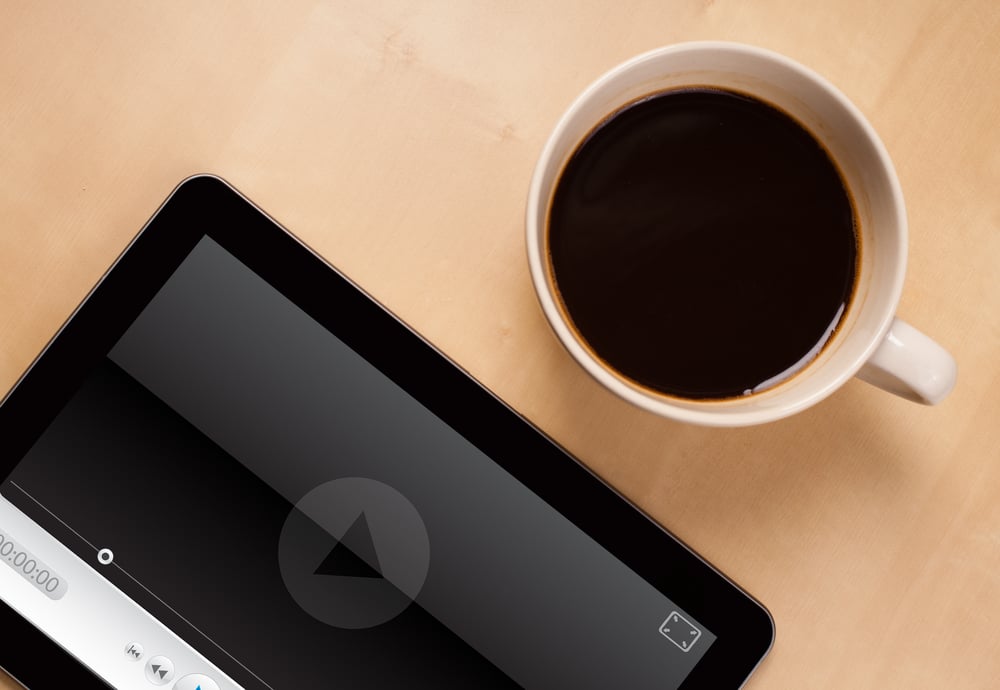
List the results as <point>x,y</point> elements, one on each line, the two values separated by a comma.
<point>397,138</point>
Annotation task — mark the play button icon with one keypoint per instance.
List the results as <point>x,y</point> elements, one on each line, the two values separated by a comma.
<point>353,553</point>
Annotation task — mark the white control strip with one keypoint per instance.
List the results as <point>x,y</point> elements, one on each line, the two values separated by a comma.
<point>95,622</point>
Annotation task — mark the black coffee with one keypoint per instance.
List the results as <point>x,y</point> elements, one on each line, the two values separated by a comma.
<point>703,243</point>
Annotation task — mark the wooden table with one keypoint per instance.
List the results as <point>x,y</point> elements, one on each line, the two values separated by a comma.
<point>397,138</point>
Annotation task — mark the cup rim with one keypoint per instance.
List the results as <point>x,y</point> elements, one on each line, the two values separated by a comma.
<point>710,413</point>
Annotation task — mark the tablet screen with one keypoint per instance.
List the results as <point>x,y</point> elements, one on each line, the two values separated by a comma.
<point>303,521</point>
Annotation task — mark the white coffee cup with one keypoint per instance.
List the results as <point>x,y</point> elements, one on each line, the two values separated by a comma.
<point>870,341</point>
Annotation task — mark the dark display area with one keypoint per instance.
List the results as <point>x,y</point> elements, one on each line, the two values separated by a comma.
<point>273,497</point>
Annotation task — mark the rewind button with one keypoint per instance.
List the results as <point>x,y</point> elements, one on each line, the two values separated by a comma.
<point>159,670</point>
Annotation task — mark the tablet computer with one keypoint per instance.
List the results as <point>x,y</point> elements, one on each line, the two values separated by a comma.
<point>232,468</point>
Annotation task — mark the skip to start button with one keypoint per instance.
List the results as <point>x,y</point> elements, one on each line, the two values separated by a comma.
<point>196,681</point>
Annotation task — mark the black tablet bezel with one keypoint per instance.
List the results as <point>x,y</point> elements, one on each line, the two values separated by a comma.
<point>33,660</point>
<point>206,205</point>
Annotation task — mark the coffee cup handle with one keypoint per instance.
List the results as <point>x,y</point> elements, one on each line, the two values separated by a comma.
<point>910,364</point>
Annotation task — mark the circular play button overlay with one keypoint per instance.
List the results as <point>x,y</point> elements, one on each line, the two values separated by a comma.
<point>353,553</point>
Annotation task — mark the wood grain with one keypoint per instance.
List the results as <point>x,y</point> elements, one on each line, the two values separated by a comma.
<point>397,138</point>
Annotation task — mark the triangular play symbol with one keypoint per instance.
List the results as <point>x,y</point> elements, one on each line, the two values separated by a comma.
<point>155,668</point>
<point>354,555</point>
<point>162,673</point>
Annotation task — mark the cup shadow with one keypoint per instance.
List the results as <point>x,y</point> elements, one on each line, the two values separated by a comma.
<point>724,486</point>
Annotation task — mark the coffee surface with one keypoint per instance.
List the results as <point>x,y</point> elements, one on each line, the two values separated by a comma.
<point>703,243</point>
